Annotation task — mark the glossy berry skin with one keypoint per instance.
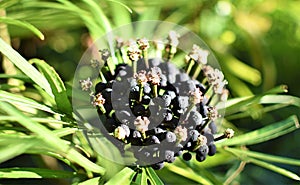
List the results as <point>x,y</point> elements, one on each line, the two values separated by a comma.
<point>187,156</point>
<point>158,166</point>
<point>200,158</point>
<point>212,149</point>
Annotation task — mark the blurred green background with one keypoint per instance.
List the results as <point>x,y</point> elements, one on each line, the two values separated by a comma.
<point>257,43</point>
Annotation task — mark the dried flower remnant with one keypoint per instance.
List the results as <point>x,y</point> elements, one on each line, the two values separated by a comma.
<point>141,77</point>
<point>141,124</point>
<point>212,113</point>
<point>86,84</point>
<point>196,96</point>
<point>181,133</point>
<point>173,41</point>
<point>228,133</point>
<point>95,63</point>
<point>133,51</point>
<point>98,101</point>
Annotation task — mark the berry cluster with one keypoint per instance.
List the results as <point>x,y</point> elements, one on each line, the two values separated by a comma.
<point>152,106</point>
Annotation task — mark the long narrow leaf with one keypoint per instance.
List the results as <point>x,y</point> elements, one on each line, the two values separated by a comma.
<point>93,181</point>
<point>22,24</point>
<point>274,168</point>
<point>16,173</point>
<point>22,101</point>
<point>57,86</point>
<point>266,157</point>
<point>123,177</point>
<point>51,139</point>
<point>24,66</point>
<point>264,134</point>
<point>153,176</point>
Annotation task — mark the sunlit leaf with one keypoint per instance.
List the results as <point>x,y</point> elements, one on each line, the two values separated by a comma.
<point>16,173</point>
<point>25,66</point>
<point>123,177</point>
<point>22,24</point>
<point>264,134</point>
<point>57,86</point>
<point>266,157</point>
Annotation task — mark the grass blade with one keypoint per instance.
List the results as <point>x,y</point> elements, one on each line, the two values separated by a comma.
<point>123,177</point>
<point>264,134</point>
<point>22,24</point>
<point>92,181</point>
<point>265,157</point>
<point>25,67</point>
<point>16,173</point>
<point>22,101</point>
<point>14,149</point>
<point>50,139</point>
<point>274,168</point>
<point>57,86</point>
<point>153,176</point>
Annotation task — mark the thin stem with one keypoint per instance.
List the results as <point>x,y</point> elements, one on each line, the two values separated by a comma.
<point>134,67</point>
<point>191,62</point>
<point>197,71</point>
<point>155,90</point>
<point>235,173</point>
<point>145,55</point>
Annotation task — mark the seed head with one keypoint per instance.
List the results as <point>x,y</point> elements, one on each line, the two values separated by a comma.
<point>141,123</point>
<point>141,77</point>
<point>196,96</point>
<point>133,51</point>
<point>199,55</point>
<point>86,84</point>
<point>143,43</point>
<point>120,133</point>
<point>154,75</point>
<point>181,133</point>
<point>173,38</point>
<point>98,100</point>
<point>229,133</point>
<point>105,54</point>
<point>212,113</point>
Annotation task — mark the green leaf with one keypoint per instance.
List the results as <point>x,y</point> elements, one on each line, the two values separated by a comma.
<point>93,181</point>
<point>57,86</point>
<point>14,149</point>
<point>22,102</point>
<point>123,177</point>
<point>264,134</point>
<point>188,173</point>
<point>242,70</point>
<point>16,173</point>
<point>56,144</point>
<point>274,168</point>
<point>24,66</point>
<point>17,76</point>
<point>280,99</point>
<point>240,104</point>
<point>153,176</point>
<point>22,24</point>
<point>265,157</point>
<point>121,15</point>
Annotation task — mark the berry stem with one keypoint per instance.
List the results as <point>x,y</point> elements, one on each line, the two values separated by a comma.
<point>141,92</point>
<point>191,62</point>
<point>197,72</point>
<point>145,55</point>
<point>155,90</point>
<point>102,77</point>
<point>134,67</point>
<point>101,107</point>
<point>207,121</point>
